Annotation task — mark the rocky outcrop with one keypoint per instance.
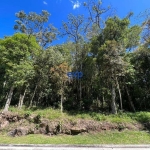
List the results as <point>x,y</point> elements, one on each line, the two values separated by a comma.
<point>34,124</point>
<point>11,117</point>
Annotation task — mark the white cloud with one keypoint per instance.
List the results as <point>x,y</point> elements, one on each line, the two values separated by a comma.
<point>75,4</point>
<point>45,3</point>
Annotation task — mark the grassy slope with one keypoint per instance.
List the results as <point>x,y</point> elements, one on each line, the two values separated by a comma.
<point>113,137</point>
<point>52,114</point>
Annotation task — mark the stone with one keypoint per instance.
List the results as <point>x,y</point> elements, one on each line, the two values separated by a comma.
<point>31,131</point>
<point>12,133</point>
<point>36,132</point>
<point>43,124</point>
<point>77,130</point>
<point>52,128</point>
<point>15,119</point>
<point>4,124</point>
<point>42,131</point>
<point>21,131</point>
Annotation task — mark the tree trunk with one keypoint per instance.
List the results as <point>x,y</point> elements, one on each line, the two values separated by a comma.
<point>9,99</point>
<point>31,101</point>
<point>61,103</point>
<point>38,101</point>
<point>80,94</point>
<point>81,88</point>
<point>21,99</point>
<point>103,100</point>
<point>4,84</point>
<point>120,96</point>
<point>129,98</point>
<point>113,98</point>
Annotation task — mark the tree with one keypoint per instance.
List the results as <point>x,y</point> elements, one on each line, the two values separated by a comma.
<point>35,24</point>
<point>17,54</point>
<point>109,49</point>
<point>141,62</point>
<point>59,77</point>
<point>44,88</point>
<point>95,13</point>
<point>76,29</point>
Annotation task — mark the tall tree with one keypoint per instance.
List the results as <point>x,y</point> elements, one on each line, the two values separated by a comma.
<point>35,24</point>
<point>17,54</point>
<point>95,14</point>
<point>109,48</point>
<point>76,29</point>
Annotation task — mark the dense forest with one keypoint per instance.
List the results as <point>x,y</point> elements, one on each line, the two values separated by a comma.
<point>112,54</point>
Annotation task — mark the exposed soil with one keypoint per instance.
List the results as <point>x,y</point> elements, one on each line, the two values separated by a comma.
<point>16,125</point>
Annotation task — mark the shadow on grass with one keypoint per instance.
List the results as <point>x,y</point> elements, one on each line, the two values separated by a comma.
<point>143,118</point>
<point>34,108</point>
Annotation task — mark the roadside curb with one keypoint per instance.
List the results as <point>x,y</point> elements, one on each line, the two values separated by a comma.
<point>67,145</point>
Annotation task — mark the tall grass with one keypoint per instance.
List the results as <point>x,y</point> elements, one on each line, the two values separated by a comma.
<point>53,114</point>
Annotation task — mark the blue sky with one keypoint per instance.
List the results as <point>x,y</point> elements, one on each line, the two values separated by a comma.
<point>59,9</point>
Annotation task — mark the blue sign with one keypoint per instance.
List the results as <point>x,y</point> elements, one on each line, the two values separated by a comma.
<point>76,74</point>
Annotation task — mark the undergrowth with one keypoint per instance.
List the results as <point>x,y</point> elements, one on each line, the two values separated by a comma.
<point>53,114</point>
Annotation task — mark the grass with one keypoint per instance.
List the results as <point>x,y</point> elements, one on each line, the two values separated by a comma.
<point>108,137</point>
<point>48,113</point>
<point>126,137</point>
<point>53,114</point>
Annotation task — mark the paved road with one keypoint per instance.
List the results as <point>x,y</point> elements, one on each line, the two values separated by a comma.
<point>74,147</point>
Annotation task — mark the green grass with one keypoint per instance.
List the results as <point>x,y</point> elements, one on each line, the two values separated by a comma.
<point>108,137</point>
<point>48,113</point>
<point>126,137</point>
<point>52,114</point>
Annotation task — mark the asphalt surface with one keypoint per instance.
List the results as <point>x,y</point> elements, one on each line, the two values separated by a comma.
<point>74,147</point>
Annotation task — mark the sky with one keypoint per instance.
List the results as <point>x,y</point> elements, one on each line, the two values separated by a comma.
<point>59,10</point>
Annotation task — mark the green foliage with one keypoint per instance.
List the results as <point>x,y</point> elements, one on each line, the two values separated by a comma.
<point>18,52</point>
<point>27,114</point>
<point>114,76</point>
<point>54,114</point>
<point>142,117</point>
<point>98,117</point>
<point>37,119</point>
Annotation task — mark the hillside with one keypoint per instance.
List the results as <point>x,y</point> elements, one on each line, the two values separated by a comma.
<point>36,123</point>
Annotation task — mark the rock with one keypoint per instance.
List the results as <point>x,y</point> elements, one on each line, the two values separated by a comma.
<point>12,133</point>
<point>37,119</point>
<point>30,118</point>
<point>77,130</point>
<point>15,118</point>
<point>43,124</point>
<point>66,131</point>
<point>36,132</point>
<point>31,131</point>
<point>52,127</point>
<point>4,124</point>
<point>10,117</point>
<point>21,131</point>
<point>42,131</point>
